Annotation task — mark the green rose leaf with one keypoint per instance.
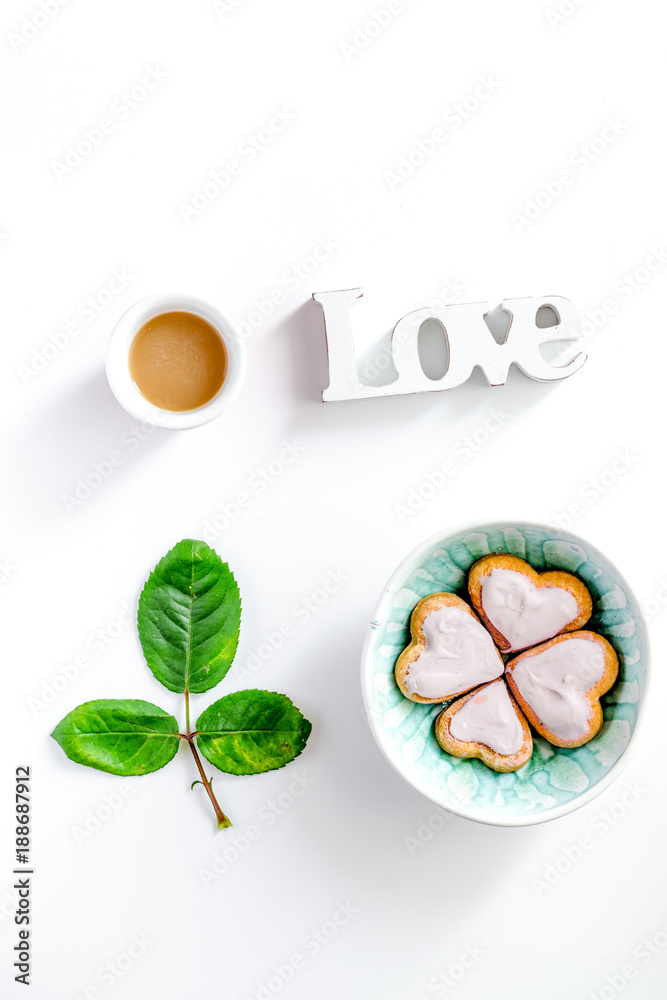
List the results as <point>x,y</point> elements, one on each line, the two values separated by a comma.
<point>189,618</point>
<point>122,737</point>
<point>249,732</point>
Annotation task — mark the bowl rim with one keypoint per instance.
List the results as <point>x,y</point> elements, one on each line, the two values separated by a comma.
<point>457,809</point>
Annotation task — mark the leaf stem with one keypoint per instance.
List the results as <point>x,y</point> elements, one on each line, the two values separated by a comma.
<point>223,821</point>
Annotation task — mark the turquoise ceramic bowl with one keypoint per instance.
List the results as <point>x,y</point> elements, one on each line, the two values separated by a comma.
<point>555,781</point>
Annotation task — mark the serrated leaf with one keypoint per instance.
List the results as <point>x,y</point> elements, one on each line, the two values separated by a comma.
<point>249,732</point>
<point>189,618</point>
<point>122,737</point>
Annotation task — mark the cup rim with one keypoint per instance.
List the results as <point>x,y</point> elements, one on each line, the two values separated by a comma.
<point>458,809</point>
<point>118,372</point>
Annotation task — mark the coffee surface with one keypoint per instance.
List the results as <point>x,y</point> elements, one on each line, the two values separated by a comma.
<point>178,361</point>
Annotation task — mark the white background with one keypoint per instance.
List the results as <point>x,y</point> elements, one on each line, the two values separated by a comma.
<point>456,228</point>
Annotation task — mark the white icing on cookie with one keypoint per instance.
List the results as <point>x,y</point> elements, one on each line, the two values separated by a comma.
<point>554,683</point>
<point>459,655</point>
<point>489,717</point>
<point>525,614</point>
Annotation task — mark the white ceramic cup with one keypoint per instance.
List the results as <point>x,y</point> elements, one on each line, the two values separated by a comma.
<point>118,369</point>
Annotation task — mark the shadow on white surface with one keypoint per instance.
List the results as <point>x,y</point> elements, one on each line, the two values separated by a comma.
<point>75,445</point>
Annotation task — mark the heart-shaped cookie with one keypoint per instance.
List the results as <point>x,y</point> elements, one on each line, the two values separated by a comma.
<point>520,607</point>
<point>450,653</point>
<point>558,686</point>
<point>486,724</point>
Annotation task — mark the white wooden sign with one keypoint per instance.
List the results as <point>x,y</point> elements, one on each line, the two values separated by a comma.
<point>469,341</point>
